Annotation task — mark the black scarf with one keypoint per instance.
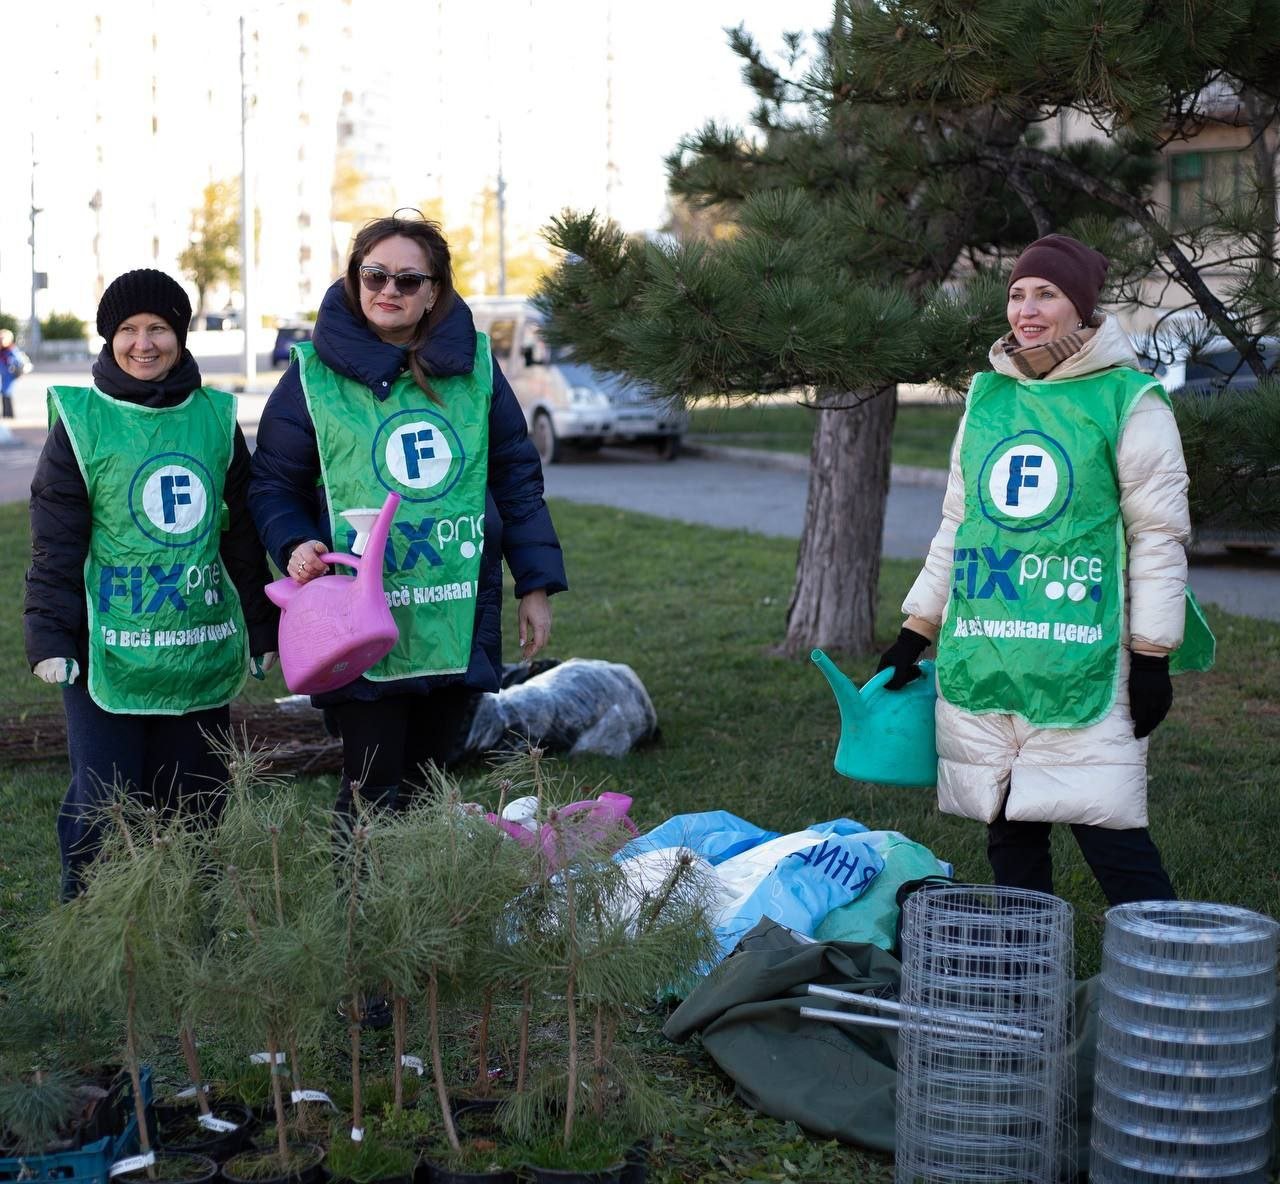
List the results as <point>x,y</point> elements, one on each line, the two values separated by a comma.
<point>175,386</point>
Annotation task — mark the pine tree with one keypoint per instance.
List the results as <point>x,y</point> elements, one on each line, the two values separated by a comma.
<point>885,189</point>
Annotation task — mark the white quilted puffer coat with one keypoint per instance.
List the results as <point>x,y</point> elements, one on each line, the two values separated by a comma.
<point>1096,774</point>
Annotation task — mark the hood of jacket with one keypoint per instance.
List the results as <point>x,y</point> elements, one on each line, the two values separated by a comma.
<point>1108,347</point>
<point>353,350</point>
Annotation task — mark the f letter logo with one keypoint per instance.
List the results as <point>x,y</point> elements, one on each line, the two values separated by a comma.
<point>418,446</point>
<point>1019,478</point>
<point>1026,482</point>
<point>174,489</point>
<point>172,499</point>
<point>417,453</point>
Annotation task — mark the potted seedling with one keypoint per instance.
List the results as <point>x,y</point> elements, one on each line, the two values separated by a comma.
<point>458,876</point>
<point>125,945</point>
<point>597,944</point>
<point>59,1091</point>
<point>381,942</point>
<point>272,967</point>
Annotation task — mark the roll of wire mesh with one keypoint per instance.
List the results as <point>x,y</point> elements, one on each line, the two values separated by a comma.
<point>985,1080</point>
<point>1184,1083</point>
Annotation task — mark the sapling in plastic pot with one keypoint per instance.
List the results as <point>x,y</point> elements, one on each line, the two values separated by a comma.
<point>125,944</point>
<point>383,941</point>
<point>272,971</point>
<point>459,876</point>
<point>51,1099</point>
<point>35,1108</point>
<point>387,941</point>
<point>602,943</point>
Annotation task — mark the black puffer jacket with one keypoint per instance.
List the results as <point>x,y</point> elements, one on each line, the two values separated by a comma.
<point>289,505</point>
<point>55,619</point>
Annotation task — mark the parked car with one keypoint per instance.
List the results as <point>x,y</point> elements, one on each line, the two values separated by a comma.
<point>1198,369</point>
<point>1204,366</point>
<point>287,335</point>
<point>566,402</point>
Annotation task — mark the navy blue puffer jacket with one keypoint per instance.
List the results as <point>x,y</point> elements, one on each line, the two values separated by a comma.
<point>289,505</point>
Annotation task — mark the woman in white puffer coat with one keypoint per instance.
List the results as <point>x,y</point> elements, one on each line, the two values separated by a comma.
<point>1055,586</point>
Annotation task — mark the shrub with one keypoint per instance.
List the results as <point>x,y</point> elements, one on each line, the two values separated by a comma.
<point>62,326</point>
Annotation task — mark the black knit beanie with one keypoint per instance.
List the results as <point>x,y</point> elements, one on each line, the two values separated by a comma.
<point>144,290</point>
<point>1076,269</point>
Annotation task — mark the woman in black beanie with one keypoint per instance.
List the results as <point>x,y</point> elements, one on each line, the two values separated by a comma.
<point>144,599</point>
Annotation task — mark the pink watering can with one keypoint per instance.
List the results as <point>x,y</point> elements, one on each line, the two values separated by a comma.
<point>335,628</point>
<point>578,826</point>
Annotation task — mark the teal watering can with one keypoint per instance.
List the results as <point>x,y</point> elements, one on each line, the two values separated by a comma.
<point>885,736</point>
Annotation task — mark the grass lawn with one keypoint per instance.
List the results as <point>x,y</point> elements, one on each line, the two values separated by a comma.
<point>922,432</point>
<point>695,612</point>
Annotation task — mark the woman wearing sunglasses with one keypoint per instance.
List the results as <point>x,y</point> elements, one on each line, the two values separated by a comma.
<point>397,391</point>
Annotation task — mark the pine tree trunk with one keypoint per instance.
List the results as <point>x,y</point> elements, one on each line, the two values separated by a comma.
<point>833,603</point>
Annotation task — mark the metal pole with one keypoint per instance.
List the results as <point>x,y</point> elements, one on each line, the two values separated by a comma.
<point>502,221</point>
<point>246,223</point>
<point>611,165</point>
<point>33,327</point>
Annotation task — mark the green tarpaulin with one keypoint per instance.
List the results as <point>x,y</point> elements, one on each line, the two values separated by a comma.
<point>837,1081</point>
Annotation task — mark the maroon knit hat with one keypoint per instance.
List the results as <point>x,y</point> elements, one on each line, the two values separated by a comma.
<point>1076,269</point>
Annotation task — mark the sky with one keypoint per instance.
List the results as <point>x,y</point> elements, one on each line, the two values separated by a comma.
<point>570,85</point>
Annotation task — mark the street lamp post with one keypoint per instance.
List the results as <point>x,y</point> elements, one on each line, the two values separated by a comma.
<point>99,281</point>
<point>246,222</point>
<point>502,221</point>
<point>33,328</point>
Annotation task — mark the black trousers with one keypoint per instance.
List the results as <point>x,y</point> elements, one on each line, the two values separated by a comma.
<point>164,759</point>
<point>386,742</point>
<point>1126,863</point>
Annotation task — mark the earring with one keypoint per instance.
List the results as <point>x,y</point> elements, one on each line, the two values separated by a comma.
<point>1079,324</point>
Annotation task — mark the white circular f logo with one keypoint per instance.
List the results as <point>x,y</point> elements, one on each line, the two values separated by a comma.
<point>418,454</point>
<point>1024,481</point>
<point>174,499</point>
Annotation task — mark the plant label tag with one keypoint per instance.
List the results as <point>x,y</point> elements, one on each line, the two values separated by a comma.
<point>264,1058</point>
<point>414,1063</point>
<point>132,1164</point>
<point>190,1091</point>
<point>311,1095</point>
<point>210,1123</point>
<point>357,1134</point>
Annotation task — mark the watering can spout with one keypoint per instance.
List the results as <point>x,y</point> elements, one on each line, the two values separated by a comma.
<point>852,709</point>
<point>378,541</point>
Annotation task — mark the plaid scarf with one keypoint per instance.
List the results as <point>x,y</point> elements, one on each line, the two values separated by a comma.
<point>1036,361</point>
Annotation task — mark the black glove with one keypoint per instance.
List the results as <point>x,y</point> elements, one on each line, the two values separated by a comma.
<point>1150,692</point>
<point>902,656</point>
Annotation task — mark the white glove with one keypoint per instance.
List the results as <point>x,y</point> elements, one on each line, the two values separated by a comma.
<point>56,671</point>
<point>260,665</point>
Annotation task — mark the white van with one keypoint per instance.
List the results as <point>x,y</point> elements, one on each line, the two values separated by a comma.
<point>567,402</point>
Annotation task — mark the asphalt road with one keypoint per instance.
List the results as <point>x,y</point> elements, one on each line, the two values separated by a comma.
<point>766,495</point>
<point>756,492</point>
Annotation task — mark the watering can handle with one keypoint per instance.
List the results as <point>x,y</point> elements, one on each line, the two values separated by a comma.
<point>345,560</point>
<point>873,687</point>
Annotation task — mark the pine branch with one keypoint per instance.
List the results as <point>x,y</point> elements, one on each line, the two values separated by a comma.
<point>1062,170</point>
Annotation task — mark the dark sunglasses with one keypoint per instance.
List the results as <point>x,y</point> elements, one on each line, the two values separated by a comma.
<point>407,283</point>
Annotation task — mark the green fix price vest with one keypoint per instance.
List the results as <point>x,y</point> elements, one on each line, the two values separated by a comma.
<point>166,634</point>
<point>436,457</point>
<point>1035,615</point>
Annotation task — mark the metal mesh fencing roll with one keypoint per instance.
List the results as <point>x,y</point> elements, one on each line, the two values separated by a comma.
<point>985,1080</point>
<point>1185,1075</point>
